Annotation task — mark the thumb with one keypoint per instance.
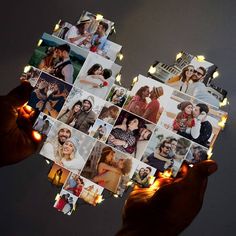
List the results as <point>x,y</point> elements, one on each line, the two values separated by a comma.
<point>20,95</point>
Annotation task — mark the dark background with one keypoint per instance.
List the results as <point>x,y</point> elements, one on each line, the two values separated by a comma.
<point>148,30</point>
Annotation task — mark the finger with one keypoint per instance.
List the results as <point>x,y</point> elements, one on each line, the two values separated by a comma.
<point>20,95</point>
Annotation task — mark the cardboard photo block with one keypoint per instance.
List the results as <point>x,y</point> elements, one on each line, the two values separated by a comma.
<point>117,95</point>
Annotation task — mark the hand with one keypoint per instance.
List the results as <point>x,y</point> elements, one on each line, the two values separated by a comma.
<point>17,142</point>
<point>169,206</point>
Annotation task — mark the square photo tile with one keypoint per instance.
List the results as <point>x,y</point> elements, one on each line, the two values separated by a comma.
<point>97,75</point>
<point>57,175</point>
<point>166,151</point>
<point>49,95</point>
<point>130,134</point>
<point>65,202</point>
<point>67,147</point>
<point>81,110</point>
<point>109,168</point>
<point>148,98</point>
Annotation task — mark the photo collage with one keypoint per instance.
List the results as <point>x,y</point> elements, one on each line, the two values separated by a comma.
<point>101,134</point>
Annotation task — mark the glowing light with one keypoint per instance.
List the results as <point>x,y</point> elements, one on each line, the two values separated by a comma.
<point>215,74</point>
<point>48,162</point>
<point>113,29</point>
<point>56,28</point>
<point>116,195</point>
<point>166,174</point>
<point>129,183</point>
<point>179,55</point>
<point>191,165</point>
<point>27,68</point>
<point>99,17</point>
<point>222,122</point>
<point>118,78</point>
<point>39,42</point>
<point>152,70</point>
<point>200,58</point>
<point>28,108</point>
<point>224,103</point>
<point>57,197</point>
<point>36,135</point>
<point>151,180</point>
<point>120,56</point>
<point>99,199</point>
<point>135,80</point>
<point>209,152</point>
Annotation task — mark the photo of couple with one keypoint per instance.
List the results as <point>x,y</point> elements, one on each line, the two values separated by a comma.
<point>147,101</point>
<point>58,58</point>
<point>117,95</point>
<point>97,75</point>
<point>191,119</point>
<point>67,147</point>
<point>88,33</point>
<point>166,151</point>
<point>100,130</point>
<point>191,81</point>
<point>49,95</point>
<point>65,202</point>
<point>196,154</point>
<point>43,124</point>
<point>80,110</point>
<point>142,175</point>
<point>57,175</point>
<point>109,113</point>
<point>108,168</point>
<point>130,134</point>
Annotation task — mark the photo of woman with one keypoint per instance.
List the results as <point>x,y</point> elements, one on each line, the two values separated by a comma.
<point>128,133</point>
<point>108,168</point>
<point>49,95</point>
<point>109,113</point>
<point>182,80</point>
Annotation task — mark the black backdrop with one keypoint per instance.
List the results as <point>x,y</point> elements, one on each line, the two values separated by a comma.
<point>148,30</point>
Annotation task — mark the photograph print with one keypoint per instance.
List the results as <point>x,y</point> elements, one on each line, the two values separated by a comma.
<point>109,168</point>
<point>148,98</point>
<point>130,134</point>
<point>166,151</point>
<point>97,75</point>
<point>80,110</point>
<point>192,119</point>
<point>65,202</point>
<point>49,95</point>
<point>58,58</point>
<point>67,147</point>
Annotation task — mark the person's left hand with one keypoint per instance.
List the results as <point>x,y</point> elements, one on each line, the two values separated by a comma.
<point>17,140</point>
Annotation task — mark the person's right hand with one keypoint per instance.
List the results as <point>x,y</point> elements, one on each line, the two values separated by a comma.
<point>169,206</point>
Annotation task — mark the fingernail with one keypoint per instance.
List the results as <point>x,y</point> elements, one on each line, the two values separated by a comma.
<point>212,168</point>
